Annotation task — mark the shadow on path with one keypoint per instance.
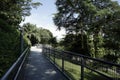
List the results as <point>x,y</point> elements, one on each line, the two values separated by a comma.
<point>39,68</point>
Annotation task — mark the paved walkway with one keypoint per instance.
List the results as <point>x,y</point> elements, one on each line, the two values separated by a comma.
<point>39,68</point>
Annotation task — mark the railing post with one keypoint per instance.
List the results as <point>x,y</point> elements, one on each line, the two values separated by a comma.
<point>49,52</point>
<point>62,54</point>
<point>82,68</point>
<point>46,51</point>
<point>54,55</point>
<point>43,50</point>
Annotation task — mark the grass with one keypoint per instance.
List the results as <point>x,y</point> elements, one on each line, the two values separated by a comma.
<point>74,71</point>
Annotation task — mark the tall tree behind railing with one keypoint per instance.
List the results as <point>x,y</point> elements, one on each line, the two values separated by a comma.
<point>79,67</point>
<point>98,19</point>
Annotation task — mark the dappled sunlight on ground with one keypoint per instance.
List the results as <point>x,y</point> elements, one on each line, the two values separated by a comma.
<point>39,68</point>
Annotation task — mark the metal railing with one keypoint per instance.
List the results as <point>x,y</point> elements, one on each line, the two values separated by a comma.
<point>14,71</point>
<point>80,67</point>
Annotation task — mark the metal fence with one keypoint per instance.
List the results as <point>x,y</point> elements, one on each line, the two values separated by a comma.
<point>80,67</point>
<point>14,72</point>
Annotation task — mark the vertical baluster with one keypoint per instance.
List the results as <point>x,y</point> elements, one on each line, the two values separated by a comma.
<point>62,54</point>
<point>54,55</point>
<point>49,52</point>
<point>82,68</point>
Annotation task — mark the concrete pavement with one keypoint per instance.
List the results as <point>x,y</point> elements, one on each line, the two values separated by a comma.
<point>39,68</point>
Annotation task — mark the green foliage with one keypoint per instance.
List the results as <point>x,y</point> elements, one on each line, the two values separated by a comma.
<point>97,18</point>
<point>12,12</point>
<point>9,49</point>
<point>60,48</point>
<point>111,56</point>
<point>37,35</point>
<point>54,42</point>
<point>31,33</point>
<point>91,46</point>
<point>5,27</point>
<point>45,36</point>
<point>74,43</point>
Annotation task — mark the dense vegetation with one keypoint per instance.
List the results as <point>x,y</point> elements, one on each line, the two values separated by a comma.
<point>92,27</point>
<point>37,35</point>
<point>12,12</point>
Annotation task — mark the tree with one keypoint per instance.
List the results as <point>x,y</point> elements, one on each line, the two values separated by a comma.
<point>90,17</point>
<point>53,42</point>
<point>71,42</point>
<point>112,37</point>
<point>45,36</point>
<point>9,48</point>
<point>31,33</point>
<point>74,16</point>
<point>12,12</point>
<point>37,35</point>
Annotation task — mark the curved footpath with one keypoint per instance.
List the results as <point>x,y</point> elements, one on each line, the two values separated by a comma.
<point>39,68</point>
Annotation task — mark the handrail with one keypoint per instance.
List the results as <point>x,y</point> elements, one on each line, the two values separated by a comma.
<point>93,64</point>
<point>80,55</point>
<point>15,66</point>
<point>99,60</point>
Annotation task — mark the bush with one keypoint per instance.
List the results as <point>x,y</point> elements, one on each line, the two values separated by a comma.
<point>9,46</point>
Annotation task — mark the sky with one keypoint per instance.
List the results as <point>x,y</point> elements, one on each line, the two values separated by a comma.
<point>42,17</point>
<point>117,1</point>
